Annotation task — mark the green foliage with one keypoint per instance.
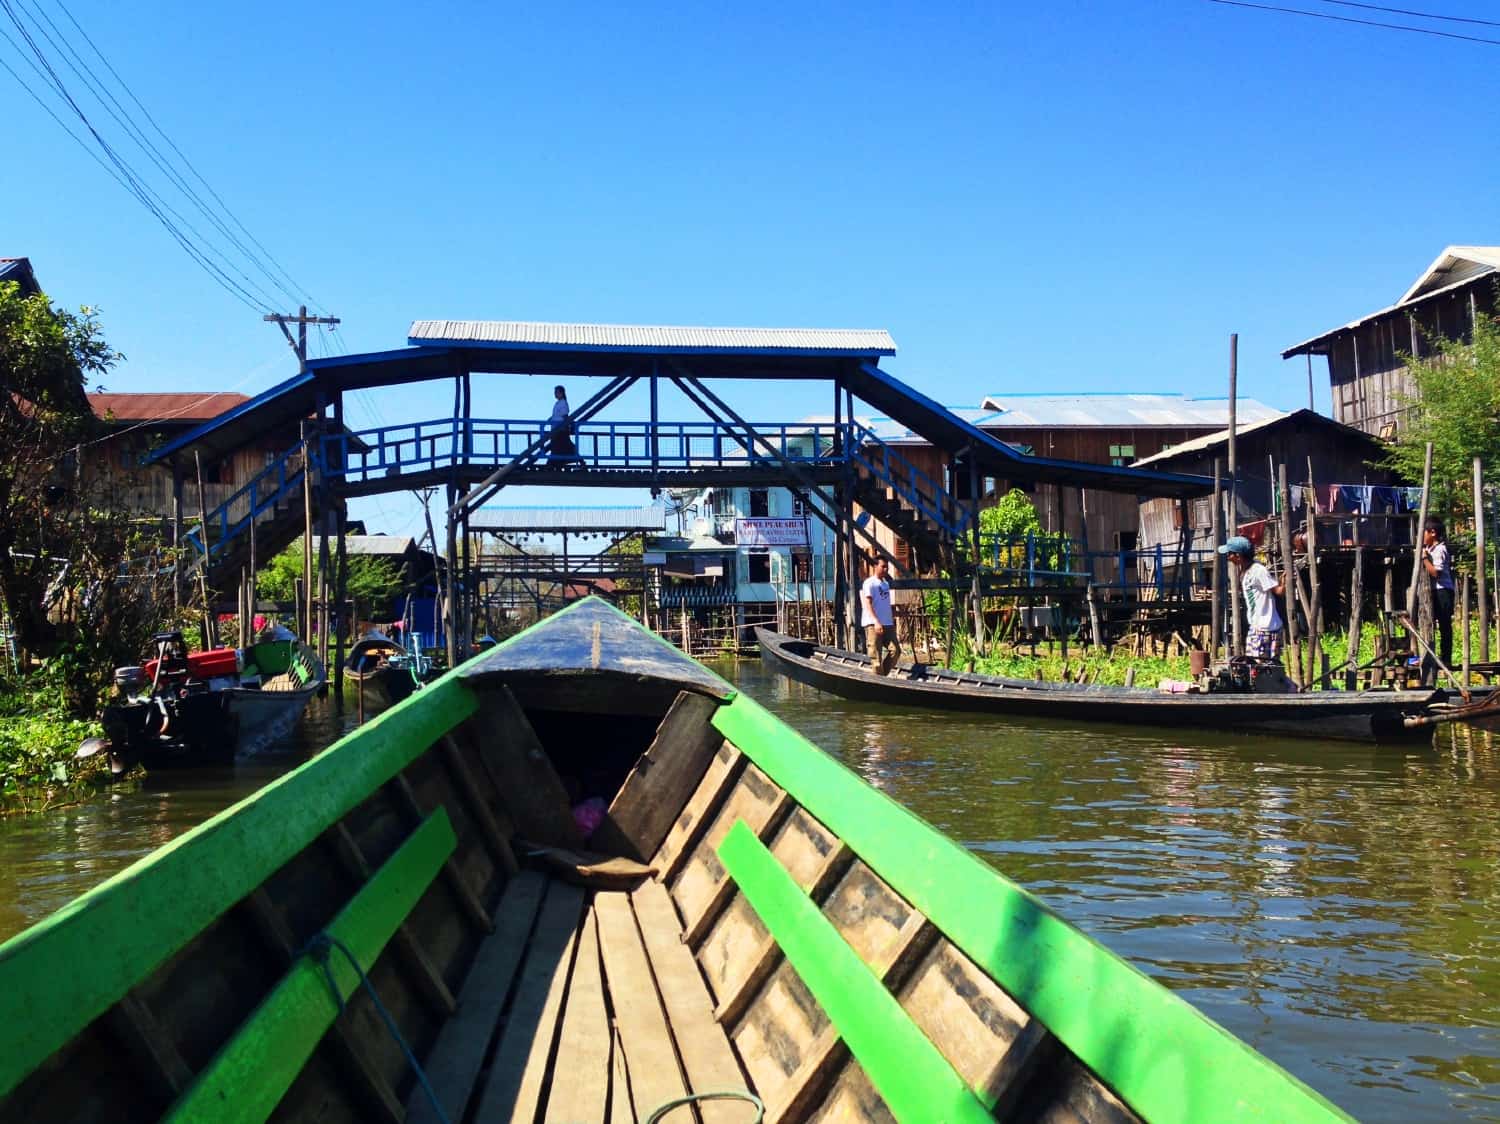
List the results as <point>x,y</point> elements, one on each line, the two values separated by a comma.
<point>37,742</point>
<point>1012,517</point>
<point>1456,407</point>
<point>372,581</point>
<point>46,357</point>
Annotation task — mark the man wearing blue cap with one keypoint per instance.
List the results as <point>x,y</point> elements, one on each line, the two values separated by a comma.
<point>1262,620</point>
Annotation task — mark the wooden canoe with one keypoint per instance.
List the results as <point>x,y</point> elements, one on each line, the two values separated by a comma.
<point>751,918</point>
<point>1367,716</point>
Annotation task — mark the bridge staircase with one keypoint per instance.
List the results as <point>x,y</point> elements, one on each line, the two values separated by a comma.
<point>273,501</point>
<point>907,500</point>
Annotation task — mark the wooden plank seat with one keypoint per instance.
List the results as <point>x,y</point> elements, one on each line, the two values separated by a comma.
<point>581,1006</point>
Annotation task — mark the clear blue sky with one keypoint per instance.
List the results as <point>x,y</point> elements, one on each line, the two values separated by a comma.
<point>1060,196</point>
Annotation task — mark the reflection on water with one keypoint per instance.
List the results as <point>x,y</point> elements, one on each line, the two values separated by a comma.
<point>47,860</point>
<point>1333,904</point>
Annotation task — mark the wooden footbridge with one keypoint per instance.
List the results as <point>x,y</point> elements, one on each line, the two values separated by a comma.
<point>839,463</point>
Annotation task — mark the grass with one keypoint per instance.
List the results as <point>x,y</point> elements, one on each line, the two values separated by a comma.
<point>1110,668</point>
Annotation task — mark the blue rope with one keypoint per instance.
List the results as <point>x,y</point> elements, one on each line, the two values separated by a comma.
<point>319,947</point>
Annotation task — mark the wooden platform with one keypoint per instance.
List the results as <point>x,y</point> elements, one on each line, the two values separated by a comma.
<point>583,1006</point>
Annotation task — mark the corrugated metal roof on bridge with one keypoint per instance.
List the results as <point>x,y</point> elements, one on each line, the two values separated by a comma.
<point>1115,410</point>
<point>652,517</point>
<point>632,337</point>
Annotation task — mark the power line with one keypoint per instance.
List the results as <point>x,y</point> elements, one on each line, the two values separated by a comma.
<point>49,75</point>
<point>1410,12</point>
<point>218,262</point>
<point>121,117</point>
<point>186,162</point>
<point>1351,19</point>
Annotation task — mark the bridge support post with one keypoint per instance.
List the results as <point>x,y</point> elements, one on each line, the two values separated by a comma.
<point>977,593</point>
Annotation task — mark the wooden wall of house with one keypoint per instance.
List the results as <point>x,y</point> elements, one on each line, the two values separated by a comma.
<point>1368,379</point>
<point>1337,458</point>
<point>113,475</point>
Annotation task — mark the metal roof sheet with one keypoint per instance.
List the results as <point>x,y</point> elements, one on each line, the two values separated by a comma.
<point>1115,410</point>
<point>652,517</point>
<point>377,546</point>
<point>1210,440</point>
<point>631,337</point>
<point>19,271</point>
<point>1454,268</point>
<point>171,407</point>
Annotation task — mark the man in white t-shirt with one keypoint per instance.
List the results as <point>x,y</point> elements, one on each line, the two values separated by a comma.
<point>877,620</point>
<point>1262,618</point>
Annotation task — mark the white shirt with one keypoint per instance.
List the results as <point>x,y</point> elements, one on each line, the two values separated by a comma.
<point>559,412</point>
<point>1262,615</point>
<point>876,592</point>
<point>1442,563</point>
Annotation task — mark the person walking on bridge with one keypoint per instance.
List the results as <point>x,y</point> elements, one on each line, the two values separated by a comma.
<point>878,621</point>
<point>562,449</point>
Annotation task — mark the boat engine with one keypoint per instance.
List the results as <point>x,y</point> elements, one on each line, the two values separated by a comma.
<point>1246,675</point>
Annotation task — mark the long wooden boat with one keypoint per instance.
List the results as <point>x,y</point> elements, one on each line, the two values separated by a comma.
<point>379,664</point>
<point>1370,716</point>
<point>407,928</point>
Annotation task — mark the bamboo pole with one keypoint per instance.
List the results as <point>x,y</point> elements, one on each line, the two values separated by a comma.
<point>1416,538</point>
<point>1216,603</point>
<point>1314,589</point>
<point>1289,576</point>
<point>1237,613</point>
<point>210,633</point>
<point>1479,569</point>
<point>1356,607</point>
<point>1463,622</point>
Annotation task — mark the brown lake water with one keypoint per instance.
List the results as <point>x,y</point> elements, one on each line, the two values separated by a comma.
<point>1334,905</point>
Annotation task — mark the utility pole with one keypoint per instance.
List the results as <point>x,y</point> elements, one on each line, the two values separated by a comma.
<point>302,320</point>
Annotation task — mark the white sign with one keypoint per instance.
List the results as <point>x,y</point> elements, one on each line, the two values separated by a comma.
<point>770,532</point>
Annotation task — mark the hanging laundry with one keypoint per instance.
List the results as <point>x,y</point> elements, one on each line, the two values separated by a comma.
<point>1384,500</point>
<point>1328,498</point>
<point>1299,497</point>
<point>1413,498</point>
<point>1255,532</point>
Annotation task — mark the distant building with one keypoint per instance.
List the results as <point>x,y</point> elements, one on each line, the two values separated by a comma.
<point>1118,428</point>
<point>136,423</point>
<point>746,547</point>
<point>1343,459</point>
<point>1365,369</point>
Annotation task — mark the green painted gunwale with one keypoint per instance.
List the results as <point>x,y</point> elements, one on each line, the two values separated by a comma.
<point>252,1072</point>
<point>1161,1055</point>
<point>910,1073</point>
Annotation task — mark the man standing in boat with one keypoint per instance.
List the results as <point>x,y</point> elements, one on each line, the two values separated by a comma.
<point>1262,619</point>
<point>876,618</point>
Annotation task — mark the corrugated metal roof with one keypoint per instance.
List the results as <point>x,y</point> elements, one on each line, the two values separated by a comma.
<point>649,518</point>
<point>1454,268</point>
<point>1115,410</point>
<point>1455,265</point>
<point>377,546</point>
<point>628,337</point>
<point>1210,440</point>
<point>173,407</point>
<point>19,271</point>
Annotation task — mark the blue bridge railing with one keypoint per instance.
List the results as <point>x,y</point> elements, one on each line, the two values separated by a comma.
<point>428,445</point>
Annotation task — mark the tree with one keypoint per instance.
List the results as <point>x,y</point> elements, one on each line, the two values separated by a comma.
<point>372,581</point>
<point>46,358</point>
<point>1456,407</point>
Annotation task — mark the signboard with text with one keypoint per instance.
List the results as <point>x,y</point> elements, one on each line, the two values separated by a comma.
<point>770,532</point>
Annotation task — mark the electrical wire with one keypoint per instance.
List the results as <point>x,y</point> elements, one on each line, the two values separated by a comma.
<point>188,164</point>
<point>1352,19</point>
<point>111,105</point>
<point>31,23</point>
<point>1411,12</point>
